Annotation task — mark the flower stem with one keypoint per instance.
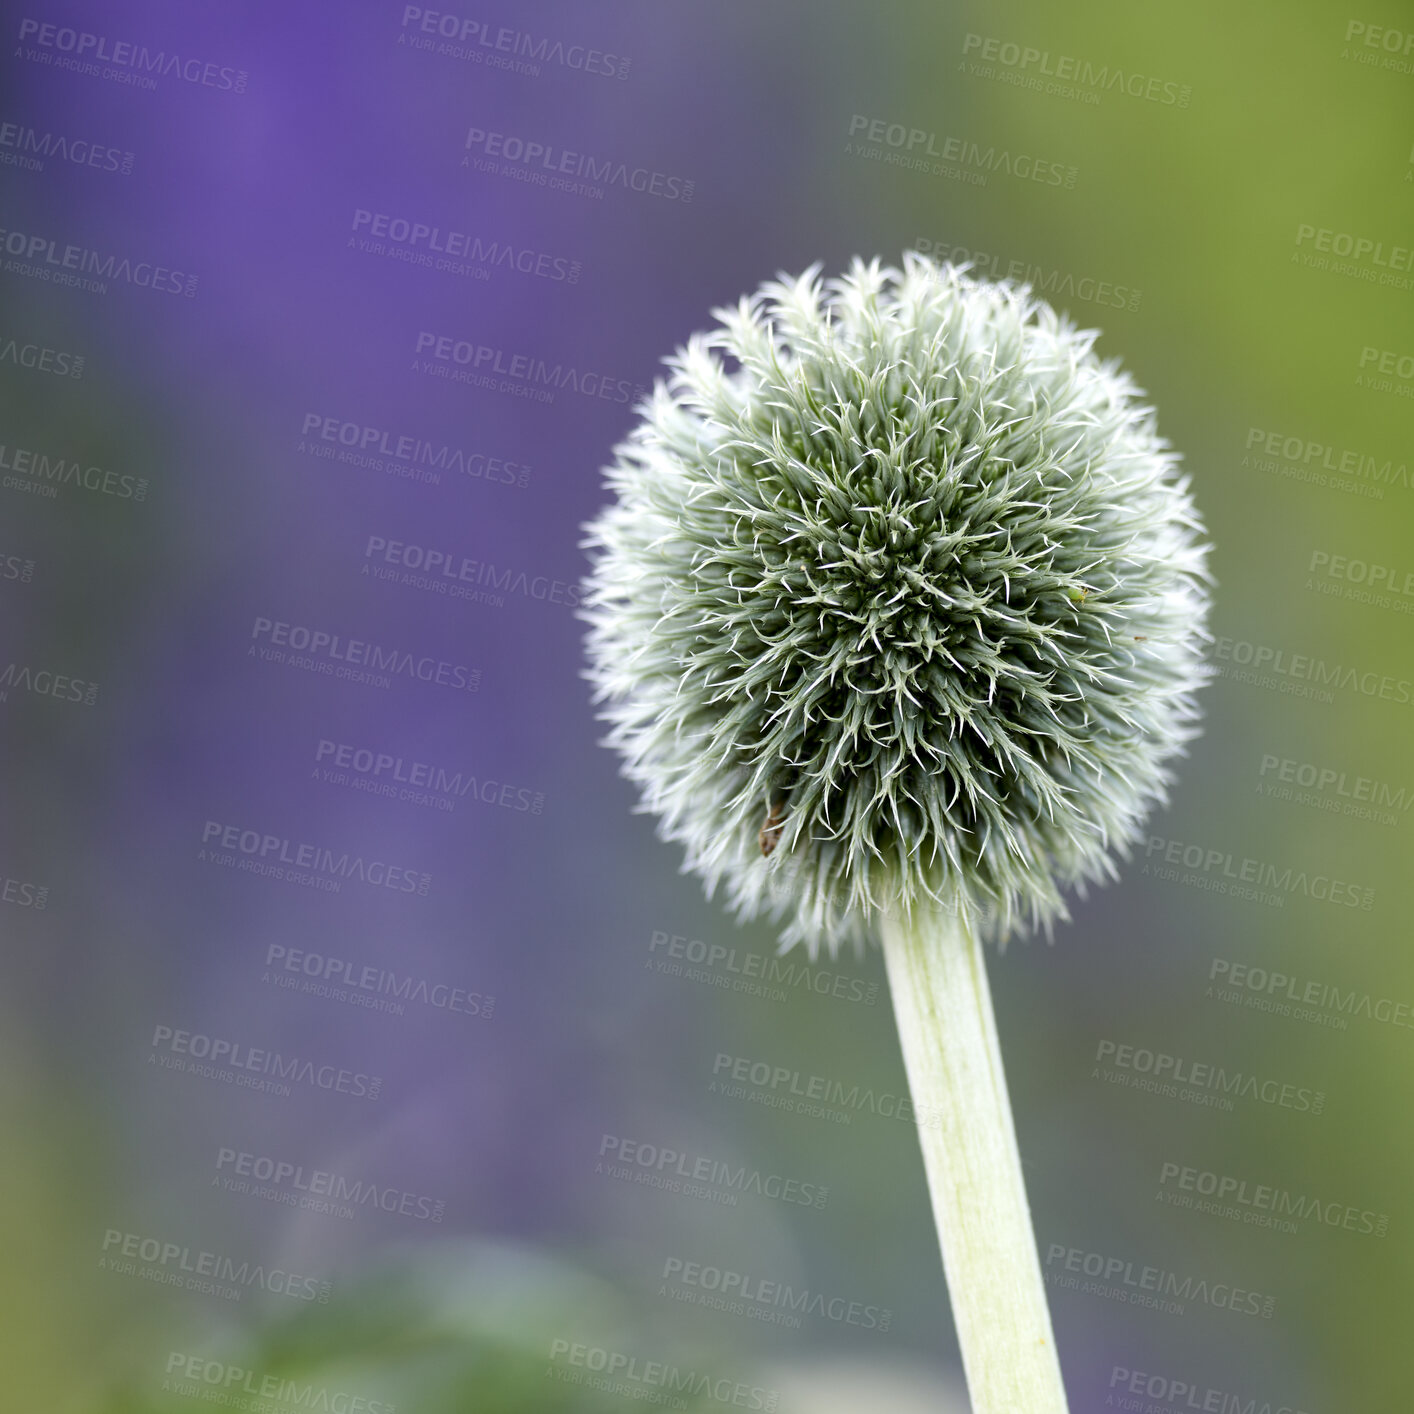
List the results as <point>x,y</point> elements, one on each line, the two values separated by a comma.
<point>949,1038</point>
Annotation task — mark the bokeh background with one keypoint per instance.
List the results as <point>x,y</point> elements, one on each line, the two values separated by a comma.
<point>222,291</point>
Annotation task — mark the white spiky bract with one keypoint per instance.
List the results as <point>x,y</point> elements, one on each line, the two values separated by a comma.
<point>900,555</point>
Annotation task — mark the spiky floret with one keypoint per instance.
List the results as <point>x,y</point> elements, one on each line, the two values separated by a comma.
<point>899,557</point>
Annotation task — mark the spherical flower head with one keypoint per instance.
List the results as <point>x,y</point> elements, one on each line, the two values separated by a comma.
<point>902,596</point>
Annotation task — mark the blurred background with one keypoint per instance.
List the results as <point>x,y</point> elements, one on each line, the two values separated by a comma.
<point>362,1048</point>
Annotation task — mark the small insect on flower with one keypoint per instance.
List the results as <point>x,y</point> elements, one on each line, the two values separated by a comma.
<point>771,831</point>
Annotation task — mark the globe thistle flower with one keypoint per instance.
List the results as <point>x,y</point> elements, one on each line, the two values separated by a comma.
<point>901,598</point>
<point>897,622</point>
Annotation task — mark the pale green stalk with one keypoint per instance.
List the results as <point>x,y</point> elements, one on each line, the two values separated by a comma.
<point>948,1033</point>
